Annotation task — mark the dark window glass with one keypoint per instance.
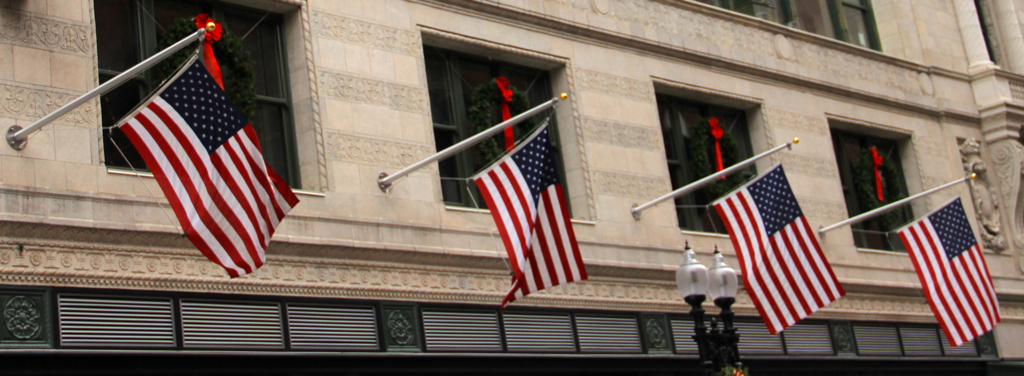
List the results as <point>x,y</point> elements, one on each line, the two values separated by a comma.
<point>849,149</point>
<point>812,16</point>
<point>677,116</point>
<point>847,20</point>
<point>128,30</point>
<point>451,78</point>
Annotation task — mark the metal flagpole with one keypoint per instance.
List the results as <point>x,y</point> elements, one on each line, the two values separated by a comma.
<point>636,209</point>
<point>865,216</point>
<point>384,180</point>
<point>17,137</point>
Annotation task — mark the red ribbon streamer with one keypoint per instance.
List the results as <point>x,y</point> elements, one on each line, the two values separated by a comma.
<point>877,161</point>
<point>211,36</point>
<point>718,133</point>
<point>506,98</point>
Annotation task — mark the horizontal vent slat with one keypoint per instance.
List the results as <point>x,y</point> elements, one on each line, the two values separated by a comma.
<point>808,339</point>
<point>755,339</point>
<point>461,331</point>
<point>877,340</point>
<point>231,325</point>
<point>920,341</point>
<point>115,322</point>
<point>339,328</point>
<point>538,332</point>
<point>598,334</point>
<point>967,349</point>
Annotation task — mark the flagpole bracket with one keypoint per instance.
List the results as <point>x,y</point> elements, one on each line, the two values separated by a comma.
<point>383,185</point>
<point>636,213</point>
<point>17,143</point>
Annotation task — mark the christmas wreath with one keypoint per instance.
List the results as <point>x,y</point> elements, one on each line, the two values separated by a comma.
<point>236,64</point>
<point>700,145</point>
<point>872,193</point>
<point>486,98</point>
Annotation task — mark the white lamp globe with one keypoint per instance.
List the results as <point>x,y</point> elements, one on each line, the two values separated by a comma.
<point>692,277</point>
<point>722,282</point>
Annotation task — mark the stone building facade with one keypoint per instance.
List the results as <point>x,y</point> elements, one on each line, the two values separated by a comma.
<point>940,83</point>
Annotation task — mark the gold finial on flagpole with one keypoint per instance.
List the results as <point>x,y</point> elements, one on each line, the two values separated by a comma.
<point>796,140</point>
<point>974,175</point>
<point>564,96</point>
<point>210,26</point>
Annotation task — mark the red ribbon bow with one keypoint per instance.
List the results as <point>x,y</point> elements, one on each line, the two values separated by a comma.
<point>877,161</point>
<point>211,36</point>
<point>718,133</point>
<point>506,96</point>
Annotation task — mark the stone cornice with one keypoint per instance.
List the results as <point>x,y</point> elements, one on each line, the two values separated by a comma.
<point>576,30</point>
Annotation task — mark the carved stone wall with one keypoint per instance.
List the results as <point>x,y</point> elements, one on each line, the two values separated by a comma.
<point>359,149</point>
<point>986,202</point>
<point>620,134</point>
<point>364,90</point>
<point>1008,156</point>
<point>31,30</point>
<point>366,33</point>
<point>29,102</point>
<point>637,90</point>
<point>619,184</point>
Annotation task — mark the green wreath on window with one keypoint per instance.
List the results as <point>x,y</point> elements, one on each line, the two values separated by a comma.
<point>700,149</point>
<point>235,63</point>
<point>867,193</point>
<point>486,100</point>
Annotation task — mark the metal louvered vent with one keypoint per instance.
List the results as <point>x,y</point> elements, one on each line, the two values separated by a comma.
<point>538,332</point>
<point>919,341</point>
<point>877,340</point>
<point>755,339</point>
<point>115,322</point>
<point>682,336</point>
<point>206,324</point>
<point>603,334</point>
<point>808,339</point>
<point>336,328</point>
<point>461,331</point>
<point>965,349</point>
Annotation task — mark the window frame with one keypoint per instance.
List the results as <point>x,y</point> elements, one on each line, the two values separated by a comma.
<point>846,177</point>
<point>673,133</point>
<point>463,128</point>
<point>145,28</point>
<point>842,30</point>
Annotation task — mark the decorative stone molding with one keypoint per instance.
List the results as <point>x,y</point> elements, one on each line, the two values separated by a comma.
<point>823,210</point>
<point>783,47</point>
<point>364,90</point>
<point>31,103</point>
<point>314,95</point>
<point>351,148</point>
<point>624,87</point>
<point>986,203</point>
<point>366,33</point>
<point>32,30</point>
<point>1017,90</point>
<point>1008,156</point>
<point>796,121</point>
<point>626,185</point>
<point>620,134</point>
<point>810,166</point>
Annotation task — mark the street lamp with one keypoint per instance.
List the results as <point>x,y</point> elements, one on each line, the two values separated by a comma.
<point>718,347</point>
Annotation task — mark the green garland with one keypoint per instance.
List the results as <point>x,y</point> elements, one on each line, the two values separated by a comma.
<point>700,149</point>
<point>867,194</point>
<point>486,103</point>
<point>731,371</point>
<point>235,63</point>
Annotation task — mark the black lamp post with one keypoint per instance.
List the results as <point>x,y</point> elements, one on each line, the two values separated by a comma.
<point>717,347</point>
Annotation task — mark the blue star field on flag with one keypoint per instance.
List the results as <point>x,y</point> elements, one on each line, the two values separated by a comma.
<point>537,163</point>
<point>775,200</point>
<point>953,229</point>
<point>204,106</point>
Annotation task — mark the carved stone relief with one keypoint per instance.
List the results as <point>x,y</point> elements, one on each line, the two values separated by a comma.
<point>642,91</point>
<point>31,30</point>
<point>364,90</point>
<point>27,102</point>
<point>823,210</point>
<point>810,166</point>
<point>986,203</point>
<point>359,149</point>
<point>22,317</point>
<point>624,135</point>
<point>627,185</point>
<point>1007,156</point>
<point>314,95</point>
<point>366,33</point>
<point>809,124</point>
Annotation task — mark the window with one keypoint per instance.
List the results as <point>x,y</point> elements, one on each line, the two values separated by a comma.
<point>677,116</point>
<point>127,31</point>
<point>847,20</point>
<point>850,150</point>
<point>451,78</point>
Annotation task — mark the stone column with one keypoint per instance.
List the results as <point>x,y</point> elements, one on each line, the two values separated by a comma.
<point>970,31</point>
<point>1009,31</point>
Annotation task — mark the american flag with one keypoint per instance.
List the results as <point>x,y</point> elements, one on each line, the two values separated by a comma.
<point>785,271</point>
<point>526,200</point>
<point>953,272</point>
<point>208,162</point>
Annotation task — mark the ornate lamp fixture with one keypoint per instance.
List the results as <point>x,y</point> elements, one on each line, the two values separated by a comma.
<point>717,347</point>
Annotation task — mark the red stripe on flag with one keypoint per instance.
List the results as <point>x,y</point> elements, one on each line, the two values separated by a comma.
<point>775,280</point>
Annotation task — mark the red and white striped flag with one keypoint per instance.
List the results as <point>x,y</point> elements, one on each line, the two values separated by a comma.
<point>784,270</point>
<point>526,200</point>
<point>208,162</point>
<point>953,272</point>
